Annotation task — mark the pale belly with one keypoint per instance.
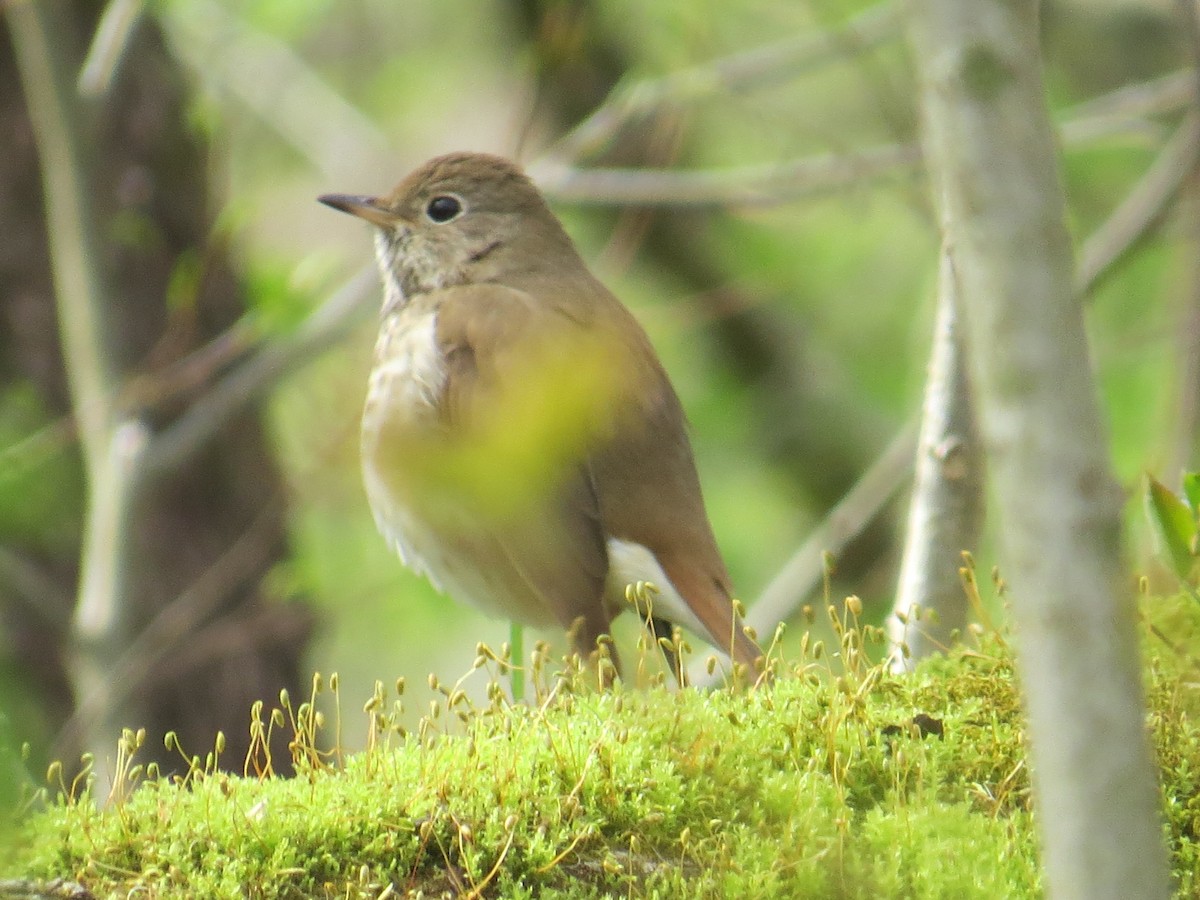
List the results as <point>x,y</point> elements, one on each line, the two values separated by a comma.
<point>436,537</point>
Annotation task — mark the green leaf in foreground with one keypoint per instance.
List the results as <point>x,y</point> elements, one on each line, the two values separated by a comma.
<point>1175,523</point>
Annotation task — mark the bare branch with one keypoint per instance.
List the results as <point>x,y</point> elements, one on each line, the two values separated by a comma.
<point>327,325</point>
<point>280,87</point>
<point>1127,109</point>
<point>165,633</point>
<point>758,67</point>
<point>34,588</point>
<point>78,286</point>
<point>117,23</point>
<point>110,452</point>
<point>742,186</point>
<point>803,572</point>
<point>1142,207</point>
<point>1122,111</point>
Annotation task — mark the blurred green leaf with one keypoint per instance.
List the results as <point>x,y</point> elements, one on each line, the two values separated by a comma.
<point>1191,490</point>
<point>1176,525</point>
<point>40,477</point>
<point>278,306</point>
<point>183,287</point>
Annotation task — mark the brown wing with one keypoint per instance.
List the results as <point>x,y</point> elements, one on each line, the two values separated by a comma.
<point>649,466</point>
<point>524,444</point>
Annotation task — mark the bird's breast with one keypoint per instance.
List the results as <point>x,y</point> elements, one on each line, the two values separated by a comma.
<point>409,373</point>
<point>401,410</point>
<point>403,393</point>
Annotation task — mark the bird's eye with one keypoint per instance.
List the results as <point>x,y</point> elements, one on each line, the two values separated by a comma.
<point>443,208</point>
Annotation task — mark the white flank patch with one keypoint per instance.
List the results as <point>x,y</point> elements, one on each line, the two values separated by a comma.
<point>629,562</point>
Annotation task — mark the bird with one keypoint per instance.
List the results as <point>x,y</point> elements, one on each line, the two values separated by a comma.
<point>522,445</point>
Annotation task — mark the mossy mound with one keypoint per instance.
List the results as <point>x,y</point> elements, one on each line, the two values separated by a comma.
<point>837,780</point>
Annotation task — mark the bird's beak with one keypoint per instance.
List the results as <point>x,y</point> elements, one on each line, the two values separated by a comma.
<point>369,208</point>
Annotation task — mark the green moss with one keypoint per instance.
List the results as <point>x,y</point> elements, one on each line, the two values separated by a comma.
<point>838,780</point>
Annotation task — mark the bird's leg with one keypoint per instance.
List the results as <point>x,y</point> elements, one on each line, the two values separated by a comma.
<point>591,642</point>
<point>663,633</point>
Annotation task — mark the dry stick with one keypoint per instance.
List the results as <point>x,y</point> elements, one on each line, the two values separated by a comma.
<point>804,571</point>
<point>1155,96</point>
<point>765,185</point>
<point>38,592</point>
<point>178,382</point>
<point>1120,111</point>
<point>768,185</point>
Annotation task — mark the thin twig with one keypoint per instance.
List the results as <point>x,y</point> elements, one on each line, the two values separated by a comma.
<point>1130,106</point>
<point>36,448</point>
<point>248,382</point>
<point>112,36</point>
<point>77,283</point>
<point>805,569</point>
<point>739,71</point>
<point>802,574</point>
<point>740,186</point>
<point>1124,110</point>
<point>281,88</point>
<point>173,623</point>
<point>1142,207</point>
<point>36,590</point>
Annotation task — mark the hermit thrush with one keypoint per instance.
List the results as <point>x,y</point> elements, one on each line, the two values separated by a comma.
<point>521,443</point>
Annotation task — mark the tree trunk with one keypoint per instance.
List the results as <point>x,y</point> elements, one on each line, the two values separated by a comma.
<point>992,157</point>
<point>201,536</point>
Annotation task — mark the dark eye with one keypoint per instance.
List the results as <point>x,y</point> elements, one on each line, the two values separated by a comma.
<point>443,208</point>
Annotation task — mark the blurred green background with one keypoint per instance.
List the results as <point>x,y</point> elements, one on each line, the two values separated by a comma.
<point>796,329</point>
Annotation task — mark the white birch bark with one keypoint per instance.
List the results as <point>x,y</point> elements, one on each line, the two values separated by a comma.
<point>945,512</point>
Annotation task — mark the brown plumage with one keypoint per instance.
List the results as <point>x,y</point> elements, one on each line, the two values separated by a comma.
<point>522,444</point>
